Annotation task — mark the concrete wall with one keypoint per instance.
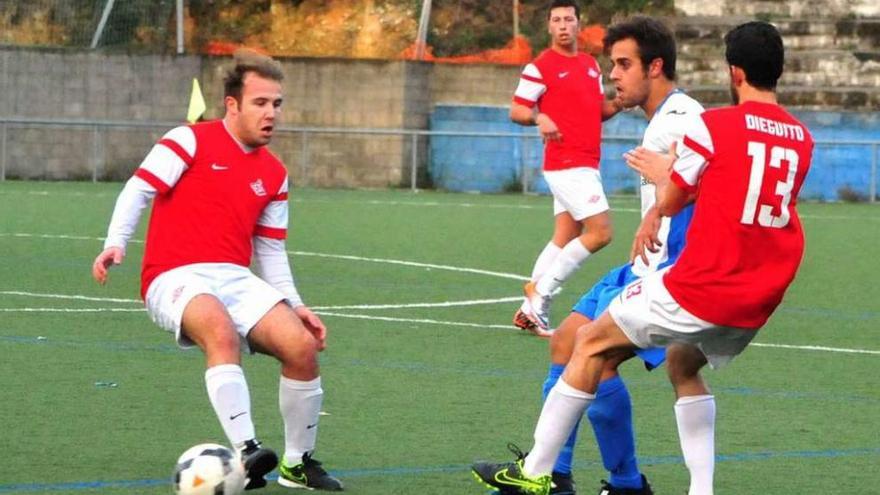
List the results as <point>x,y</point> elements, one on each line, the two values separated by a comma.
<point>90,86</point>
<point>491,164</point>
<point>87,86</point>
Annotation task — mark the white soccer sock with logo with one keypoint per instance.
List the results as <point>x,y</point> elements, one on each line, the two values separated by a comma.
<point>563,408</point>
<point>695,416</point>
<point>545,259</point>
<point>300,404</point>
<point>228,392</point>
<point>564,265</point>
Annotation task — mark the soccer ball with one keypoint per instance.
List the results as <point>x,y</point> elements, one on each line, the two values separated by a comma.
<point>209,469</point>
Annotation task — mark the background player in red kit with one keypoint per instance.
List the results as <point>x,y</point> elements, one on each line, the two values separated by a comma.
<point>746,164</point>
<point>219,197</point>
<point>561,92</point>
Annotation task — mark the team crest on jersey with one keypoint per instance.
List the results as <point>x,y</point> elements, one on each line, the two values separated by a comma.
<point>257,187</point>
<point>592,73</point>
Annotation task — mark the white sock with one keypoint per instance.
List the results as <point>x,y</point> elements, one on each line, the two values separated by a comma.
<point>300,404</point>
<point>228,392</point>
<point>563,408</point>
<point>564,265</point>
<point>545,259</point>
<point>695,416</point>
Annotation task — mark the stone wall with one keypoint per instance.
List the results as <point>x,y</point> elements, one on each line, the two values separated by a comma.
<point>842,73</point>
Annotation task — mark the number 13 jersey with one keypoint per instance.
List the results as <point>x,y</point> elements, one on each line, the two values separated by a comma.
<point>746,164</point>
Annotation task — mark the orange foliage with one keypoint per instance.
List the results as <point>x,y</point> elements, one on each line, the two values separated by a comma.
<point>516,52</point>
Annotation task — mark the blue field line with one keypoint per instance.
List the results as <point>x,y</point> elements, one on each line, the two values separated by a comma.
<point>463,468</point>
<point>536,374</point>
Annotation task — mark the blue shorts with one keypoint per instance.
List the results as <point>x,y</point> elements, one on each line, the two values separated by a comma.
<point>596,301</point>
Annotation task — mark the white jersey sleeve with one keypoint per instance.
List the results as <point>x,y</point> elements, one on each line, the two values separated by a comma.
<point>697,147</point>
<point>130,204</point>
<point>531,86</point>
<point>169,159</point>
<point>159,172</point>
<point>270,253</point>
<point>273,266</point>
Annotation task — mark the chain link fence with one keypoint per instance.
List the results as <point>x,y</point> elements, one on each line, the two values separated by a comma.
<point>132,25</point>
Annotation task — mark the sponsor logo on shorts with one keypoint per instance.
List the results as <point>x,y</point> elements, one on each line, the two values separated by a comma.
<point>176,294</point>
<point>633,290</point>
<point>594,198</point>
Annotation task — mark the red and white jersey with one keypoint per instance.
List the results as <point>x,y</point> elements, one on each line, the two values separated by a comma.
<point>747,164</point>
<point>569,91</point>
<point>213,197</point>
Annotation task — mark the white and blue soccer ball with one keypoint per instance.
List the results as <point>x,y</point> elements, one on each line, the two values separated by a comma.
<point>209,469</point>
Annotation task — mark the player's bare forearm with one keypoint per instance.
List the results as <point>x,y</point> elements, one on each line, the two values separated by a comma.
<point>523,115</point>
<point>671,198</point>
<point>647,237</point>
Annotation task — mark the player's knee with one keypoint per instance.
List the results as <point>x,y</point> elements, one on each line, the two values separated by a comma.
<point>222,343</point>
<point>590,341</point>
<point>598,236</point>
<point>562,345</point>
<point>301,352</point>
<point>604,235</point>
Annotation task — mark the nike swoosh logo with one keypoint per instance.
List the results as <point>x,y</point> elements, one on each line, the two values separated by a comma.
<point>214,166</point>
<point>503,477</point>
<point>563,75</point>
<point>237,415</point>
<point>309,427</point>
<point>676,112</point>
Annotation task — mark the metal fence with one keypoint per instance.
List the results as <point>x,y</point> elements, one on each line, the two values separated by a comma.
<point>90,146</point>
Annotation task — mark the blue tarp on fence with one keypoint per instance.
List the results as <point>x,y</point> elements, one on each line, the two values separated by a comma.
<point>496,164</point>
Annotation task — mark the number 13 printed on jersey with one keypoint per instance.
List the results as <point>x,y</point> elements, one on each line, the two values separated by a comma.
<point>782,196</point>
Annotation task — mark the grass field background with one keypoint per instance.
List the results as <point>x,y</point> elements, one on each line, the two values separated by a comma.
<point>414,394</point>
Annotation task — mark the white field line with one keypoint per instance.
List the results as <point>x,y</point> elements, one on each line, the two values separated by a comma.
<point>59,236</point>
<point>66,296</point>
<point>323,312</point>
<point>414,263</point>
<point>415,320</point>
<point>511,276</point>
<point>445,304</point>
<point>816,348</point>
<point>383,306</point>
<point>72,310</point>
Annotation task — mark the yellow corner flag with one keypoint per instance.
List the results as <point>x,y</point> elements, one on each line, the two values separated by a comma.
<point>196,104</point>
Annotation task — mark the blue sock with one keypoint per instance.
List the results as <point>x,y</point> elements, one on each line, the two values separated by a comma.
<point>611,417</point>
<point>563,462</point>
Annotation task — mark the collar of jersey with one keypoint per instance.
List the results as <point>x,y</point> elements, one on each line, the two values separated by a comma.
<point>660,107</point>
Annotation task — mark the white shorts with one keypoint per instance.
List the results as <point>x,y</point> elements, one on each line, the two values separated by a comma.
<point>650,317</point>
<point>577,191</point>
<point>247,297</point>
